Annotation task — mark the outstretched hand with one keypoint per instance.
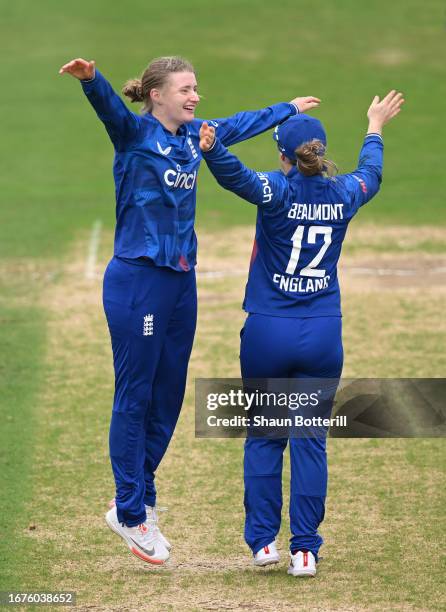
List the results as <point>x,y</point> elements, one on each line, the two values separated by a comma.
<point>306,103</point>
<point>207,136</point>
<point>79,68</point>
<point>381,112</point>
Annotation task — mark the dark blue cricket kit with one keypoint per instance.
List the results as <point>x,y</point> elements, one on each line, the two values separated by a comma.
<point>149,286</point>
<point>293,329</point>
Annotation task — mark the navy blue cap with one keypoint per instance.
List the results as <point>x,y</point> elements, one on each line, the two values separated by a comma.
<point>297,130</point>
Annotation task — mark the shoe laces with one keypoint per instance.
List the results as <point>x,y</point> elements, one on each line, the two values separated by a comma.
<point>143,528</point>
<point>145,531</point>
<point>152,513</point>
<point>152,516</point>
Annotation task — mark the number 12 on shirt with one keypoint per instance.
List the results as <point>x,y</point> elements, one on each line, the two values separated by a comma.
<point>313,231</point>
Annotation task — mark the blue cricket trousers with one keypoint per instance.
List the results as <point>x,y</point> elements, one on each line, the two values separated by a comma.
<point>151,313</point>
<point>282,347</point>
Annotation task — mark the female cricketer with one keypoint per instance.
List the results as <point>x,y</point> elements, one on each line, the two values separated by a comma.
<point>149,290</point>
<point>293,329</point>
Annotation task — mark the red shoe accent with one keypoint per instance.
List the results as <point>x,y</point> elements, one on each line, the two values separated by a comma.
<point>143,528</point>
<point>139,554</point>
<point>266,549</point>
<point>305,559</point>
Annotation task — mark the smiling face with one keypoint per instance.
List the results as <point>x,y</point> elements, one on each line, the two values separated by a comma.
<point>174,103</point>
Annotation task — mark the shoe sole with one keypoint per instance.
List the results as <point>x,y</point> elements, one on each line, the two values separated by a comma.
<point>266,562</point>
<point>302,573</point>
<point>134,550</point>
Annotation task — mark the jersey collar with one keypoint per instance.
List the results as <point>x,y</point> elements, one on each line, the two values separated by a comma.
<point>294,175</point>
<point>182,130</point>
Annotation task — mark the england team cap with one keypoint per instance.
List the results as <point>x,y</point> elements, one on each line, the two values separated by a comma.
<point>295,131</point>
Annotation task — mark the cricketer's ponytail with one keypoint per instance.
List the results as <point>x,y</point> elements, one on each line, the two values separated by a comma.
<point>133,89</point>
<point>311,160</point>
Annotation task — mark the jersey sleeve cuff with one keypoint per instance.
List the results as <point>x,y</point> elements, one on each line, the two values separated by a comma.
<point>375,135</point>
<point>90,83</point>
<point>216,150</point>
<point>295,108</point>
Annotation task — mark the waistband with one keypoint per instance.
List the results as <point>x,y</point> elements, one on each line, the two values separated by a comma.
<point>138,261</point>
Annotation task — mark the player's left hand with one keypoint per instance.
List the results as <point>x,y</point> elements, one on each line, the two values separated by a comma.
<point>306,103</point>
<point>207,136</point>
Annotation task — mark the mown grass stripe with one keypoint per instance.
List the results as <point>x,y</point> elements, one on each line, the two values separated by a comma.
<point>22,338</point>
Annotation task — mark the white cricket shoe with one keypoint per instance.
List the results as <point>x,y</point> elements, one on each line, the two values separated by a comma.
<point>302,564</point>
<point>267,555</point>
<point>152,519</point>
<point>142,539</point>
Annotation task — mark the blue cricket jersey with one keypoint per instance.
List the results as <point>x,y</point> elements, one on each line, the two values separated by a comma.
<point>301,224</point>
<point>155,174</point>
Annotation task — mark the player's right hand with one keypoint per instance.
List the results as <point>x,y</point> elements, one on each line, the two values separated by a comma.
<point>380,112</point>
<point>207,136</point>
<point>79,68</point>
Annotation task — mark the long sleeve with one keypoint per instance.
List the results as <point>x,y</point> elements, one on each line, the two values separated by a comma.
<point>244,125</point>
<point>364,182</point>
<point>267,189</point>
<point>121,124</point>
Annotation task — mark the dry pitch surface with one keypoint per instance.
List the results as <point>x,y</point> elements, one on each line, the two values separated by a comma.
<point>383,526</point>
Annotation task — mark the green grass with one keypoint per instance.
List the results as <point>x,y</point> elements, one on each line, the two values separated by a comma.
<point>56,158</point>
<point>22,338</point>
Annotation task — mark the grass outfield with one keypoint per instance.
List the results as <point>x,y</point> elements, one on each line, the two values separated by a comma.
<point>385,507</point>
<point>56,158</point>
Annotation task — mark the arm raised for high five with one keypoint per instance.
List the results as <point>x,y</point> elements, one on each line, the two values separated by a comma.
<point>80,69</point>
<point>121,124</point>
<point>381,112</point>
<point>264,189</point>
<point>364,182</point>
<point>247,124</point>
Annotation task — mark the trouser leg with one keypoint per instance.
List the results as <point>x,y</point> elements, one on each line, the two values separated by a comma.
<point>308,492</point>
<point>131,294</point>
<point>263,463</point>
<point>169,383</point>
<point>322,360</point>
<point>263,457</point>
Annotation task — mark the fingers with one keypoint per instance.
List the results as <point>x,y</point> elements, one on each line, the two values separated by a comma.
<point>306,103</point>
<point>78,65</point>
<point>203,130</point>
<point>393,98</point>
<point>392,101</point>
<point>389,96</point>
<point>72,65</point>
<point>394,113</point>
<point>393,104</point>
<point>207,135</point>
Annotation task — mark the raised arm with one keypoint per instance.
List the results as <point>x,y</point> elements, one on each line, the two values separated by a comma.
<point>244,125</point>
<point>121,124</point>
<point>364,182</point>
<point>266,189</point>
